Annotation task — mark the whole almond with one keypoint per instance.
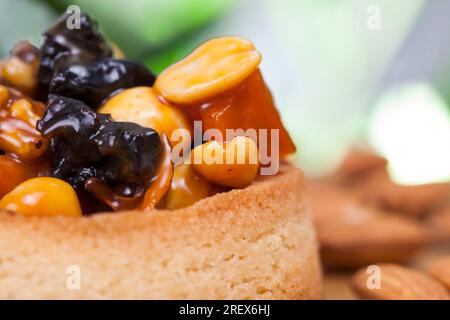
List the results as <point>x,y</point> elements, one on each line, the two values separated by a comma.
<point>439,222</point>
<point>352,234</point>
<point>440,269</point>
<point>357,166</point>
<point>413,200</point>
<point>367,174</point>
<point>398,283</point>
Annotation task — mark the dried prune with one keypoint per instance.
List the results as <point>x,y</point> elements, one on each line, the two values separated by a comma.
<point>94,81</point>
<point>63,46</point>
<point>138,198</point>
<point>85,144</point>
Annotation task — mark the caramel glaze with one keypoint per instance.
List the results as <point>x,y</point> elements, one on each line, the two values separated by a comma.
<point>120,199</point>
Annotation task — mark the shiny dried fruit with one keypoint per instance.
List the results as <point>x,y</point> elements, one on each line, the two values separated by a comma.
<point>248,106</point>
<point>143,106</point>
<point>86,144</point>
<point>214,67</point>
<point>63,46</point>
<point>95,81</point>
<point>128,199</point>
<point>42,196</point>
<point>232,164</point>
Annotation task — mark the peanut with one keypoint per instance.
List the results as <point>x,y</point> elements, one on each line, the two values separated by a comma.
<point>213,68</point>
<point>232,164</point>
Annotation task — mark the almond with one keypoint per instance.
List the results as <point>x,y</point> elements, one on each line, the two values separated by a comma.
<point>352,234</point>
<point>439,222</point>
<point>415,200</point>
<point>357,165</point>
<point>440,269</point>
<point>367,175</point>
<point>398,283</point>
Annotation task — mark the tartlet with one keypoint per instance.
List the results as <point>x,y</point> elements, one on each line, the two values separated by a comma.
<point>110,190</point>
<point>254,243</point>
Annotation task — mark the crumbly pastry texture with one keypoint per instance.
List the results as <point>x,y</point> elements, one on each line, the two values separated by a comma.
<point>254,243</point>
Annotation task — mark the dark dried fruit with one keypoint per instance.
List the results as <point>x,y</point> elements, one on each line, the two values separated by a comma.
<point>95,81</point>
<point>86,144</point>
<point>63,46</point>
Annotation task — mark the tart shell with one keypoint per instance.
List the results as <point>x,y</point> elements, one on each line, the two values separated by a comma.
<point>254,243</point>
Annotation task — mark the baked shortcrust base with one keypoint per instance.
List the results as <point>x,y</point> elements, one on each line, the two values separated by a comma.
<point>255,243</point>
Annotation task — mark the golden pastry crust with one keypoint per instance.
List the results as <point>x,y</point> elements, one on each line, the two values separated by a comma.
<point>255,243</point>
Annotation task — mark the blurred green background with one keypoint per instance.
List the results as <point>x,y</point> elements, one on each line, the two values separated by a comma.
<point>343,72</point>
